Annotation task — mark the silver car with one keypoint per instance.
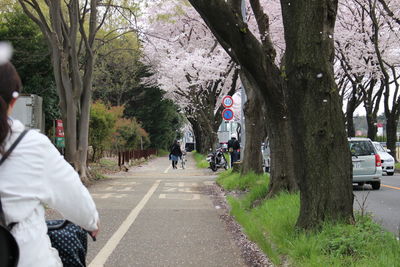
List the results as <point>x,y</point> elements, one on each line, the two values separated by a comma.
<point>367,166</point>
<point>386,159</point>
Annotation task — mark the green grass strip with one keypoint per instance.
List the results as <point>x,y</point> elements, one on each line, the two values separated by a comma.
<point>200,159</point>
<point>271,224</point>
<point>162,152</point>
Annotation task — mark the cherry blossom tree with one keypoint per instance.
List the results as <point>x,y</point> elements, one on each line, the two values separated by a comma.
<point>367,44</point>
<point>313,108</point>
<point>357,66</point>
<point>191,66</point>
<point>386,37</point>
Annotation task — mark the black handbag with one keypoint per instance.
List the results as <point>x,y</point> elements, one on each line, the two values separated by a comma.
<point>70,240</point>
<point>9,252</point>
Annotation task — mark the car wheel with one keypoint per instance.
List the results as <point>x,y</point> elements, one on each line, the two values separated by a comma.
<point>376,185</point>
<point>390,173</point>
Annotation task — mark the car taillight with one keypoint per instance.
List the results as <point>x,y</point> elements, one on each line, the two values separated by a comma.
<point>378,161</point>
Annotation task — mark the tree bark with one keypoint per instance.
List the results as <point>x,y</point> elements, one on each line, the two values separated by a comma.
<point>372,127</point>
<point>322,153</point>
<point>282,168</point>
<point>205,140</point>
<point>255,133</point>
<point>350,108</point>
<point>283,177</point>
<point>391,133</point>
<point>197,133</point>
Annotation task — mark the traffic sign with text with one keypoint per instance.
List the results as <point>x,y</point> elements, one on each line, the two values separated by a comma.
<point>227,101</point>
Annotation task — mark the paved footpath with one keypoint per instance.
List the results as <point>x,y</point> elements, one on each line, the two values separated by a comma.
<point>157,216</point>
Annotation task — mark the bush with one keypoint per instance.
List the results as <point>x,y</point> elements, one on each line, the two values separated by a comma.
<point>101,126</point>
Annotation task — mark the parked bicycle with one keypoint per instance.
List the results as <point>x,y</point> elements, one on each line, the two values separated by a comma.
<point>183,160</point>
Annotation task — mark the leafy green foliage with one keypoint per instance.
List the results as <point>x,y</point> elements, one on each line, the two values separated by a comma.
<point>109,130</point>
<point>117,81</point>
<point>118,69</point>
<point>32,60</point>
<point>159,116</point>
<point>128,133</point>
<point>272,226</point>
<point>101,126</point>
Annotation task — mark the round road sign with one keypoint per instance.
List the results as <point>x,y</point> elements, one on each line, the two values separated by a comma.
<point>227,114</point>
<point>227,101</point>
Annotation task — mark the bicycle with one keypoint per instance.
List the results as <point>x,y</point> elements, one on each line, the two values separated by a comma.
<point>183,161</point>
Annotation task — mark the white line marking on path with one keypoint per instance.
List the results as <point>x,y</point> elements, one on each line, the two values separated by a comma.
<point>166,171</point>
<point>112,243</point>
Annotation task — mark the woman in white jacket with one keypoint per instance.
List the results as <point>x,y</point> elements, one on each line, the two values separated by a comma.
<point>34,175</point>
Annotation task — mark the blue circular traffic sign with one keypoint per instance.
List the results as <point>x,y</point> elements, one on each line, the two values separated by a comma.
<point>227,114</point>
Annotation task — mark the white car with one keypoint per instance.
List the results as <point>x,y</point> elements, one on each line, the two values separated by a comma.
<point>386,159</point>
<point>367,166</point>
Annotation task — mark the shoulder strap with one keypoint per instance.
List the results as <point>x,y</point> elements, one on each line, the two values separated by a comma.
<point>8,152</point>
<point>5,156</point>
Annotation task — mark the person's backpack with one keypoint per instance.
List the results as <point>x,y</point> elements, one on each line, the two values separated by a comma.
<point>9,252</point>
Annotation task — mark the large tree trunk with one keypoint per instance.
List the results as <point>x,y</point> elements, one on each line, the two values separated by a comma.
<point>198,136</point>
<point>282,168</point>
<point>322,153</point>
<point>350,108</point>
<point>283,177</point>
<point>255,129</point>
<point>209,142</point>
<point>205,136</point>
<point>372,127</point>
<point>391,133</point>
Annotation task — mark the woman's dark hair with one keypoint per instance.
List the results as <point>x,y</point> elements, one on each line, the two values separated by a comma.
<point>9,83</point>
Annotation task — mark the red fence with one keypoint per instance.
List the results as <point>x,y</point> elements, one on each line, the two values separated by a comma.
<point>126,156</point>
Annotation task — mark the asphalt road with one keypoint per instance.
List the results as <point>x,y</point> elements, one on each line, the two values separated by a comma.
<point>156,216</point>
<point>384,204</point>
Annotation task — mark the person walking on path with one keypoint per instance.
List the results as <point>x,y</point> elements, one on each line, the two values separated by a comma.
<point>175,154</point>
<point>35,175</point>
<point>233,148</point>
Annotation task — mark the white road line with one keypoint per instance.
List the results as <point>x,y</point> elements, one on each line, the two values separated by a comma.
<point>167,169</point>
<point>112,243</point>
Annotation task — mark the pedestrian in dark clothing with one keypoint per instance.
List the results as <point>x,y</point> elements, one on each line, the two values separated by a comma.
<point>175,154</point>
<point>233,148</point>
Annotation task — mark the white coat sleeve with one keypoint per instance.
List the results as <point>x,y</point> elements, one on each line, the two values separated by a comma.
<point>66,193</point>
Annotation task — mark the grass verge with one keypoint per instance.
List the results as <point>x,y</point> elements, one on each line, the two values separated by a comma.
<point>162,152</point>
<point>271,224</point>
<point>200,159</point>
<point>397,166</point>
